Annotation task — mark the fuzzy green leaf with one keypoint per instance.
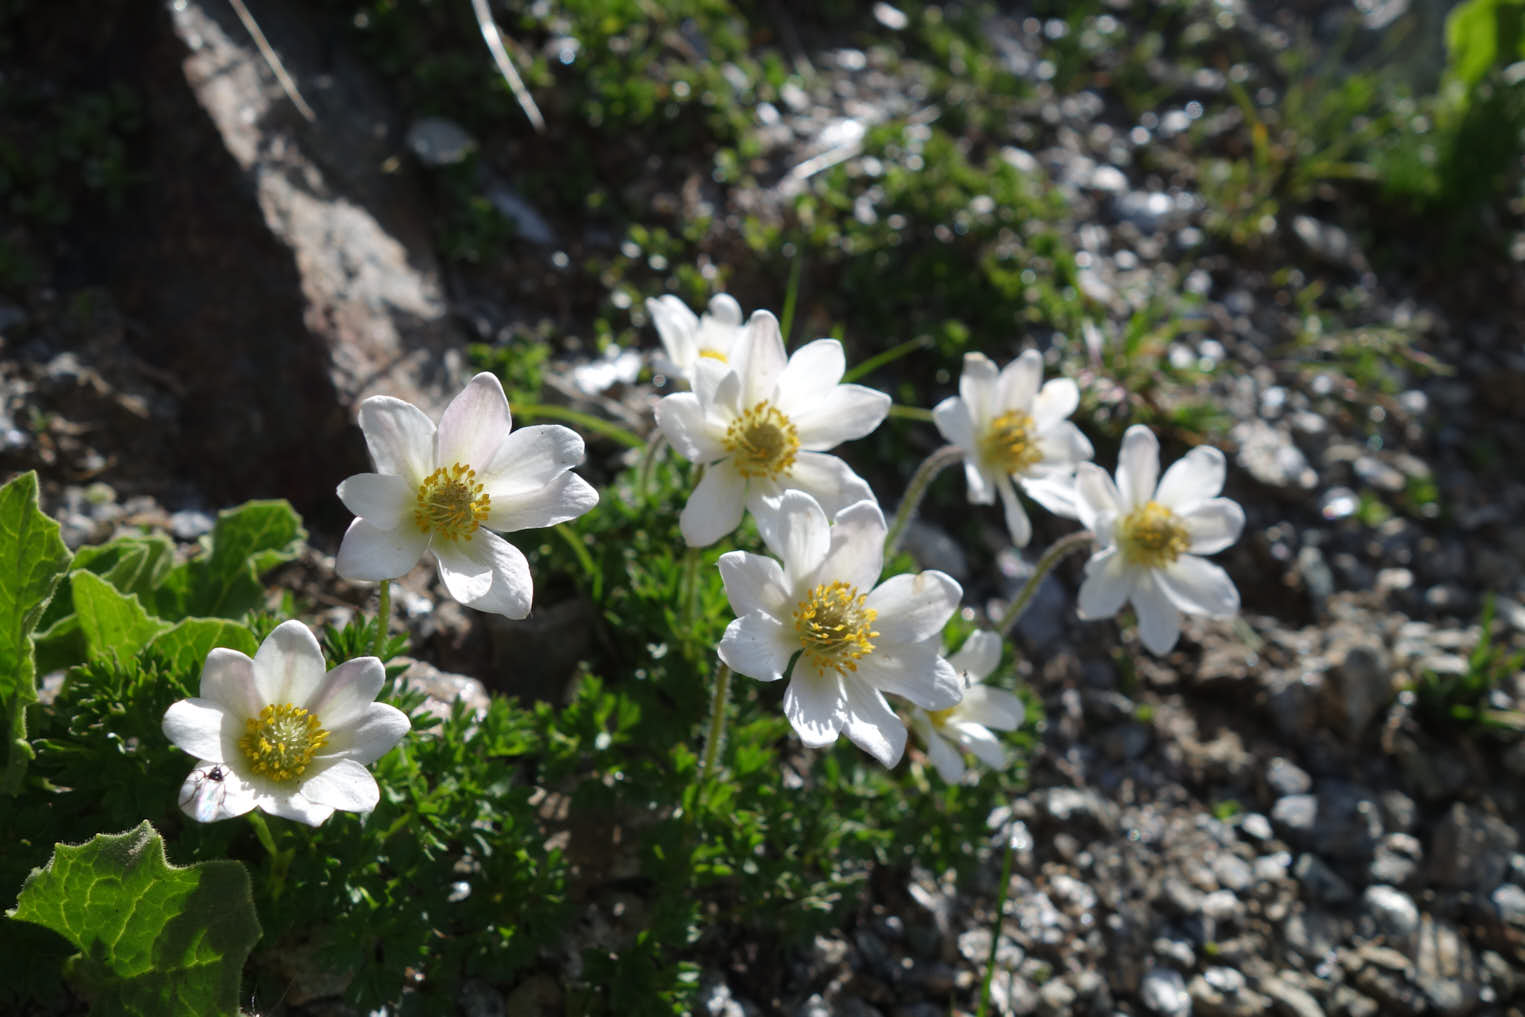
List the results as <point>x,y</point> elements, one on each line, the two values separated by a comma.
<point>32,559</point>
<point>154,939</point>
<point>186,644</point>
<point>132,564</point>
<point>224,582</point>
<point>111,622</point>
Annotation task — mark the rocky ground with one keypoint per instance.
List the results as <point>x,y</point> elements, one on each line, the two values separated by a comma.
<point>1269,821</point>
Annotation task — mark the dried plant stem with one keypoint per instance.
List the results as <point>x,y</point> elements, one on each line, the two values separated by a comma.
<point>276,67</point>
<point>494,40</point>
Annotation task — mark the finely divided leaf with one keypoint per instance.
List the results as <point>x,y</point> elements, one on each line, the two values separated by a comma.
<point>155,940</point>
<point>32,558</point>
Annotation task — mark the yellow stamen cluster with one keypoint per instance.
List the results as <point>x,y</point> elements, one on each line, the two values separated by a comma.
<point>762,441</point>
<point>834,627</point>
<point>715,355</point>
<point>940,717</point>
<point>281,741</point>
<point>451,503</point>
<point>1010,445</point>
<point>1152,536</point>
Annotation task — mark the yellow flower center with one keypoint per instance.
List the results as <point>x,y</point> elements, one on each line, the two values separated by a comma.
<point>281,741</point>
<point>1152,535</point>
<point>940,717</point>
<point>451,504</point>
<point>762,441</point>
<point>715,355</point>
<point>1010,445</point>
<point>834,627</point>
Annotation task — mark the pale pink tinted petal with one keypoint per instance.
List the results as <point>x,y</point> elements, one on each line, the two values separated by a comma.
<point>1017,387</point>
<point>1096,497</point>
<point>474,424</point>
<point>368,553</point>
<point>754,582</point>
<point>1017,523</point>
<point>566,497</point>
<point>1055,492</point>
<point>381,498</point>
<point>369,737</point>
<point>1138,466</point>
<point>530,458</point>
<point>977,387</point>
<point>914,608</point>
<point>916,673</point>
<point>811,373</point>
<point>978,740</point>
<point>1108,585</point>
<point>347,691</point>
<point>841,414</point>
<point>227,678</point>
<point>829,481</point>
<point>948,760</point>
<point>1056,400</point>
<point>1192,479</point>
<point>995,708</point>
<point>1197,586</point>
<point>795,527</point>
<point>288,667</point>
<point>757,645</point>
<point>344,785</point>
<point>952,419</point>
<point>1159,623</point>
<point>759,358</point>
<point>508,589</point>
<point>687,429</point>
<point>715,507</point>
<point>979,656</point>
<point>871,724</point>
<point>814,704</point>
<point>856,556</point>
<point>399,437</point>
<point>197,726</point>
<point>293,806</point>
<point>1213,525</point>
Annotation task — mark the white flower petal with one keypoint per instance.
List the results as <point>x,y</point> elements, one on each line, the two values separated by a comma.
<point>368,737</point>
<point>1017,387</point>
<point>811,373</point>
<point>725,310</point>
<point>948,760</point>
<point>856,556</point>
<point>1096,497</point>
<point>1213,525</point>
<point>293,806</point>
<point>754,582</point>
<point>197,726</point>
<point>913,672</point>
<point>566,497</point>
<point>715,506</point>
<point>1108,585</point>
<point>759,646</point>
<point>841,413</point>
<point>980,482</point>
<point>954,423</point>
<point>474,424</point>
<point>382,499</point>
<point>1054,491</point>
<point>676,327</point>
<point>1159,623</point>
<point>994,708</point>
<point>399,436</point>
<point>914,608</point>
<point>1056,400</point>
<point>344,785</point>
<point>978,740</point>
<point>759,358</point>
<point>530,458</point>
<point>1017,523</point>
<point>368,553</point>
<point>683,423</point>
<point>977,387</point>
<point>718,387</point>
<point>487,573</point>
<point>815,705</point>
<point>979,656</point>
<point>870,722</point>
<point>1138,466</point>
<point>828,480</point>
<point>1063,443</point>
<point>227,679</point>
<point>1192,479</point>
<point>1197,586</point>
<point>346,692</point>
<point>288,667</point>
<point>213,792</point>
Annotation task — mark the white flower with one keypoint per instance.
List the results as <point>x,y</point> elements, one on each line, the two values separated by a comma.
<point>1010,429</point>
<point>277,734</point>
<point>1149,537</point>
<point>968,724</point>
<point>687,338</point>
<point>760,423</point>
<point>855,641</point>
<point>445,490</point>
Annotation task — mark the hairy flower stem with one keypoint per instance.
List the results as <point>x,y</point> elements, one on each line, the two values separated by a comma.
<point>383,617</point>
<point>916,490</point>
<point>995,928</point>
<point>280,861</point>
<point>648,463</point>
<point>1051,557</point>
<point>714,738</point>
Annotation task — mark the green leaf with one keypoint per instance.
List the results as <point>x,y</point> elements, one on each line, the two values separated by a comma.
<point>132,564</point>
<point>1481,34</point>
<point>32,559</point>
<point>111,622</point>
<point>186,644</point>
<point>154,939</point>
<point>224,582</point>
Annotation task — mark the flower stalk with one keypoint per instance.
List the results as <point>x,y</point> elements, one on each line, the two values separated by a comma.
<point>1065,545</point>
<point>714,737</point>
<point>916,490</point>
<point>383,617</point>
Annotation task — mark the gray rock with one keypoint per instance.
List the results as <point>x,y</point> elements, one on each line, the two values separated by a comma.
<point>1289,1000</point>
<point>1361,684</point>
<point>1233,872</point>
<point>1392,912</point>
<point>1319,881</point>
<point>1295,817</point>
<point>1268,454</point>
<point>1397,860</point>
<point>1446,969</point>
<point>1341,821</point>
<point>1164,992</point>
<point>1509,902</point>
<point>1313,934</point>
<point>1470,849</point>
<point>1287,778</point>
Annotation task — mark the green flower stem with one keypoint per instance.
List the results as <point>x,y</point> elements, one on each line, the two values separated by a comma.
<point>280,861</point>
<point>916,490</point>
<point>586,421</point>
<point>648,465</point>
<point>1051,557</point>
<point>714,738</point>
<point>995,929</point>
<point>915,413</point>
<point>383,617</point>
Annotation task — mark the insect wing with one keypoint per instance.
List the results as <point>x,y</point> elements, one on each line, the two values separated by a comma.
<point>202,794</point>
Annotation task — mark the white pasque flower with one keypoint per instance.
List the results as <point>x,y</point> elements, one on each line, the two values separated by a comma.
<point>1010,429</point>
<point>760,424</point>
<point>854,640</point>
<point>968,724</point>
<point>446,489</point>
<point>278,734</point>
<point>687,337</point>
<point>1149,537</point>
